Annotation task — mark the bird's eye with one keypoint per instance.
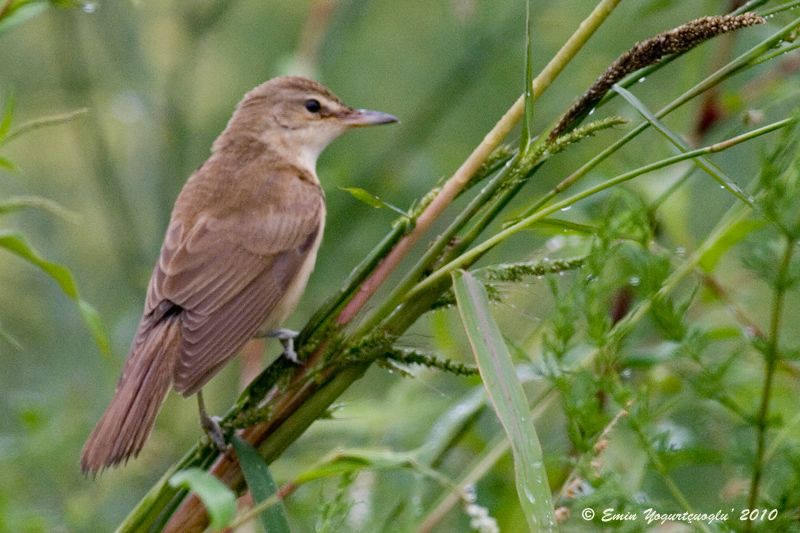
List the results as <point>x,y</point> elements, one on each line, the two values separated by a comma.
<point>313,105</point>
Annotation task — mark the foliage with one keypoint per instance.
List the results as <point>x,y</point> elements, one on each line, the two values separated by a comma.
<point>642,270</point>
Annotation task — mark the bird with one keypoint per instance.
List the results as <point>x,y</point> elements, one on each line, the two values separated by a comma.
<point>239,248</point>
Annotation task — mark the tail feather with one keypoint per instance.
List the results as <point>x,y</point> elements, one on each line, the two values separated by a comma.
<point>145,382</point>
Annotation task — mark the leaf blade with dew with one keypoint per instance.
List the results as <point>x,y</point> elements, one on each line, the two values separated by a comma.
<point>707,166</point>
<point>218,499</point>
<point>364,196</point>
<point>508,398</point>
<point>261,485</point>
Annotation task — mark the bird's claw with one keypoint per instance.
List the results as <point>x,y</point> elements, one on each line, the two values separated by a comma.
<point>211,426</point>
<point>286,338</point>
<point>214,432</point>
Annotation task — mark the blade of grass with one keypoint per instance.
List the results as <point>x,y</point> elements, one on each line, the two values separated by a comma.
<point>709,167</point>
<point>261,485</point>
<point>508,398</point>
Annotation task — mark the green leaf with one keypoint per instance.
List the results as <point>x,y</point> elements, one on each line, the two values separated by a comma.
<point>508,399</point>
<point>95,325</point>
<point>8,115</point>
<point>371,200</point>
<point>17,245</point>
<point>7,164</point>
<point>261,485</point>
<point>352,460</point>
<point>732,236</point>
<point>219,500</point>
<point>20,13</point>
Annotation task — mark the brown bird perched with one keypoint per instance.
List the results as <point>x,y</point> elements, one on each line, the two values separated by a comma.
<point>241,243</point>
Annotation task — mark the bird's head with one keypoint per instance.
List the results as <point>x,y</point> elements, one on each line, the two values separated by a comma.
<point>298,114</point>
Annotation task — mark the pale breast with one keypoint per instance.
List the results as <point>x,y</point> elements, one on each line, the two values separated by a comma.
<point>297,286</point>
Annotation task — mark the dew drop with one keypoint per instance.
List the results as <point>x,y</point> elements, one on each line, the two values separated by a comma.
<point>89,7</point>
<point>641,80</point>
<point>566,208</point>
<point>634,281</point>
<point>591,111</point>
<point>529,495</point>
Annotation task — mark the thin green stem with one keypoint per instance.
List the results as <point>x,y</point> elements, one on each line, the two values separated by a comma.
<point>672,487</point>
<point>44,122</point>
<point>771,356</point>
<point>473,254</point>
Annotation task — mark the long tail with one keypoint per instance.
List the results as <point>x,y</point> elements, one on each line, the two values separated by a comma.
<point>145,382</point>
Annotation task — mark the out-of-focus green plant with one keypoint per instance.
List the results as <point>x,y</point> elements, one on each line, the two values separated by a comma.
<point>625,282</point>
<point>16,243</point>
<point>636,249</point>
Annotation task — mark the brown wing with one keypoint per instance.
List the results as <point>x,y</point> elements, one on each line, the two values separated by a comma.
<point>228,271</point>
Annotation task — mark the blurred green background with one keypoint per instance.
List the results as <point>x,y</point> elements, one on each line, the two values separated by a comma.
<point>160,79</point>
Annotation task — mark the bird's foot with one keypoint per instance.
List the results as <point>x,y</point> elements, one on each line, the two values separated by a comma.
<point>211,426</point>
<point>214,432</point>
<point>286,337</point>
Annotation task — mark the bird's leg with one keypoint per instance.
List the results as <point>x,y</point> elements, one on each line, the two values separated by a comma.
<point>286,336</point>
<point>211,425</point>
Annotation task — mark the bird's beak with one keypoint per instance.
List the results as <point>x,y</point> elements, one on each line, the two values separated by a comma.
<point>357,118</point>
